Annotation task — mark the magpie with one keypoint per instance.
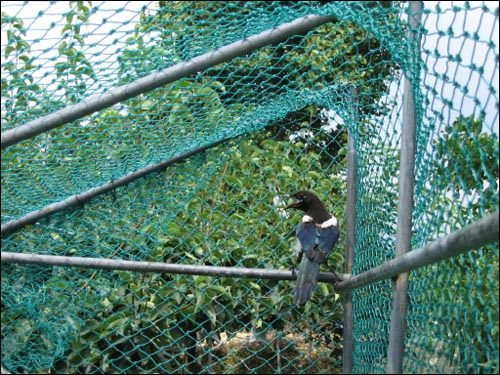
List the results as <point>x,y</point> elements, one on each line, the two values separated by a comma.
<point>317,233</point>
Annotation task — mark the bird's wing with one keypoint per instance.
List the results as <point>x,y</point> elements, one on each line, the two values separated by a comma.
<point>307,234</point>
<point>327,237</point>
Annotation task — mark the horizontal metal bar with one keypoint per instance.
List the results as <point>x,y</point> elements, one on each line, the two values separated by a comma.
<point>77,199</point>
<point>471,237</point>
<point>163,77</point>
<point>129,265</point>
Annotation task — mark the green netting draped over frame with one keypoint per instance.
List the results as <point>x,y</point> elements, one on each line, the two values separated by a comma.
<point>235,139</point>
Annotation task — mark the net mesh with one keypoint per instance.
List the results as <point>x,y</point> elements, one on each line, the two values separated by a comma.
<point>285,111</point>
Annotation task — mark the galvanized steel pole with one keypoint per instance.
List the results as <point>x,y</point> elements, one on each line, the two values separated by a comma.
<point>405,199</point>
<point>78,199</point>
<point>163,77</point>
<point>348,325</point>
<point>471,237</point>
<point>142,266</point>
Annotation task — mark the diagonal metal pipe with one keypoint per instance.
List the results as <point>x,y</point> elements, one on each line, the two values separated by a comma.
<point>163,77</point>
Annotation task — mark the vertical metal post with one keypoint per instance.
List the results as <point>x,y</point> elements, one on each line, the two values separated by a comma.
<point>348,325</point>
<point>405,201</point>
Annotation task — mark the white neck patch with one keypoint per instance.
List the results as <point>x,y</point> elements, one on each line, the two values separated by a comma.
<point>332,222</point>
<point>307,219</point>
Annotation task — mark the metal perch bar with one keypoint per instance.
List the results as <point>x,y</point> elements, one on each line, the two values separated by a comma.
<point>472,237</point>
<point>129,265</point>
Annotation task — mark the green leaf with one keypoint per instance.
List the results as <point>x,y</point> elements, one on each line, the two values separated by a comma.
<point>8,50</point>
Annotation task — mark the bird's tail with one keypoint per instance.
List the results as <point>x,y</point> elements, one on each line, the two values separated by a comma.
<point>307,278</point>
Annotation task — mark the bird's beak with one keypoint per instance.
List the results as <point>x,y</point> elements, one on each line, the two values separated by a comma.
<point>295,204</point>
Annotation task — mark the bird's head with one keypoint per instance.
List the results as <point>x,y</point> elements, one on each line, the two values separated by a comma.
<point>309,203</point>
<point>303,200</point>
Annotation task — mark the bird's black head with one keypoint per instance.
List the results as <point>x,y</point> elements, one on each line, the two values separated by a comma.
<point>309,203</point>
<point>303,200</point>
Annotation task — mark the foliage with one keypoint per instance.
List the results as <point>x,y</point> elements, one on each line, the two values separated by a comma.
<point>224,207</point>
<point>466,168</point>
<point>74,71</point>
<point>174,310</point>
<point>161,319</point>
<point>333,54</point>
<point>468,158</point>
<point>18,88</point>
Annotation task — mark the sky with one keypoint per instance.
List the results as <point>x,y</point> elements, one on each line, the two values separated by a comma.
<point>111,24</point>
<point>108,27</point>
<point>474,21</point>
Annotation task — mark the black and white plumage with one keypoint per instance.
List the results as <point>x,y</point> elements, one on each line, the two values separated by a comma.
<point>317,233</point>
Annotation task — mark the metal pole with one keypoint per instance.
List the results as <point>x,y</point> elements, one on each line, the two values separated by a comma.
<point>405,201</point>
<point>81,198</point>
<point>163,77</point>
<point>471,237</point>
<point>141,266</point>
<point>348,325</point>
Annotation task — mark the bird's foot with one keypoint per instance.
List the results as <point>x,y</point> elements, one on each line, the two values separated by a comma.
<point>292,268</point>
<point>338,278</point>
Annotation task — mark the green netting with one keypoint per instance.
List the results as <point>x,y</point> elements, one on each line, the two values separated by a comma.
<point>280,116</point>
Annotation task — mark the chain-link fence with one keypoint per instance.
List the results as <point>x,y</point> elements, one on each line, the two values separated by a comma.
<point>151,146</point>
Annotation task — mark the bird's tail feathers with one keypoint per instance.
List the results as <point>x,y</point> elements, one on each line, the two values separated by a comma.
<point>307,278</point>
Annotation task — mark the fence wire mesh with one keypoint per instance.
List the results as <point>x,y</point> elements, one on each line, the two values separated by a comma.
<point>284,112</point>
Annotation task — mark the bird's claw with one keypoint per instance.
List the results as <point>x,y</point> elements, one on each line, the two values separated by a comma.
<point>337,277</point>
<point>292,268</point>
